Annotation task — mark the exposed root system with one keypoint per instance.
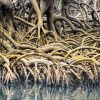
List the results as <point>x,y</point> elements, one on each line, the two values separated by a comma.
<point>58,56</point>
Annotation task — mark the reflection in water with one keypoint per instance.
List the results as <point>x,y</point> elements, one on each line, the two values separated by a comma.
<point>39,92</point>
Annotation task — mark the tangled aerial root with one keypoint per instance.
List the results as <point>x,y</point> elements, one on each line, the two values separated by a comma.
<point>57,56</point>
<point>54,63</point>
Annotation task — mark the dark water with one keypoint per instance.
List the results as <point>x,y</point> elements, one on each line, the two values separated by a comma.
<point>40,92</point>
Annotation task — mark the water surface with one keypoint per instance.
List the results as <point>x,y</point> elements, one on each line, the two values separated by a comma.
<point>40,92</point>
